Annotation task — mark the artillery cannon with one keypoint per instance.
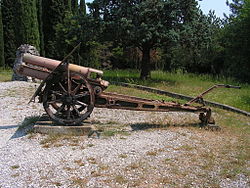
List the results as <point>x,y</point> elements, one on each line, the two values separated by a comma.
<point>70,92</point>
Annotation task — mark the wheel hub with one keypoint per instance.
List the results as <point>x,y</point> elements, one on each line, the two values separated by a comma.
<point>68,99</point>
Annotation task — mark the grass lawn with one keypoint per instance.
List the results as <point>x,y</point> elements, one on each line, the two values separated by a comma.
<point>5,74</point>
<point>187,84</point>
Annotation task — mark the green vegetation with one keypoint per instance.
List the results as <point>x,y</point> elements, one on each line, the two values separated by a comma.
<point>15,167</point>
<point>183,83</point>
<point>27,28</point>
<point>52,14</point>
<point>2,61</point>
<point>5,74</point>
<point>8,31</point>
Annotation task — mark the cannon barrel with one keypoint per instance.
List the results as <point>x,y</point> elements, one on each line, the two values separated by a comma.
<point>50,64</point>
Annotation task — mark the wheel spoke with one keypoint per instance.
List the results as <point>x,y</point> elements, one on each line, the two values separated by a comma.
<point>86,93</point>
<point>81,108</point>
<point>57,93</point>
<point>69,82</point>
<point>76,89</point>
<point>76,110</point>
<point>68,112</point>
<point>60,109</point>
<point>60,84</point>
<point>80,103</point>
<point>55,101</point>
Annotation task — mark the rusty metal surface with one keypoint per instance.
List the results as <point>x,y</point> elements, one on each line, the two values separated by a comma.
<point>125,102</point>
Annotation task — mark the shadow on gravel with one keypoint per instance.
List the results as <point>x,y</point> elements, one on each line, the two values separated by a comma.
<point>19,133</point>
<point>25,127</point>
<point>8,126</point>
<point>144,126</point>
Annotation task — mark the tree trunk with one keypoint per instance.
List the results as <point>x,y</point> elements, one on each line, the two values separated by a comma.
<point>145,65</point>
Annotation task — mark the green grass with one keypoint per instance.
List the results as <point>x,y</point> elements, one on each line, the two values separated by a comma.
<point>183,83</point>
<point>5,74</point>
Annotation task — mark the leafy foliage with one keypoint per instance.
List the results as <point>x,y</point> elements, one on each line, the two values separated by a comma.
<point>8,31</point>
<point>2,63</point>
<point>53,14</point>
<point>236,40</point>
<point>142,24</point>
<point>27,28</point>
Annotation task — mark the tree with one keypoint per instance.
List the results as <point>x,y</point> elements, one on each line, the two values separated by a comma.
<point>8,18</point>
<point>82,8</point>
<point>75,29</point>
<point>2,63</point>
<point>40,23</point>
<point>235,7</point>
<point>143,24</point>
<point>53,14</point>
<point>236,41</point>
<point>68,5</point>
<point>26,23</point>
<point>194,50</point>
<point>74,6</point>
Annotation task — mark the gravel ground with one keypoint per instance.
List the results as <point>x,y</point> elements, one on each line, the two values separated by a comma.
<point>141,155</point>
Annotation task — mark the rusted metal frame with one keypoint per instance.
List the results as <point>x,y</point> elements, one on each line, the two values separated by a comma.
<point>125,102</point>
<point>200,96</point>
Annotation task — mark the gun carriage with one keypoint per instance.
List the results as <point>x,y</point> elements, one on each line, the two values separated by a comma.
<point>70,92</point>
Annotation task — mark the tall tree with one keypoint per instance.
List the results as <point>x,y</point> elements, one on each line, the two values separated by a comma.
<point>26,23</point>
<point>40,23</point>
<point>74,6</point>
<point>68,6</point>
<point>143,24</point>
<point>82,8</point>
<point>53,14</point>
<point>2,63</point>
<point>8,18</point>
<point>236,40</point>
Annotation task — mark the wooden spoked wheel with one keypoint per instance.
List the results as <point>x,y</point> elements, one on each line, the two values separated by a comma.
<point>70,100</point>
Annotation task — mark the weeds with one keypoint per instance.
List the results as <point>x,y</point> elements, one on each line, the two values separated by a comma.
<point>15,167</point>
<point>51,139</point>
<point>152,153</point>
<point>120,179</point>
<point>114,132</point>
<point>78,182</point>
<point>123,156</point>
<point>91,160</point>
<point>79,162</point>
<point>90,145</point>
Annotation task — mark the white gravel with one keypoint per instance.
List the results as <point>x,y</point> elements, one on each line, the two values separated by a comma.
<point>144,158</point>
